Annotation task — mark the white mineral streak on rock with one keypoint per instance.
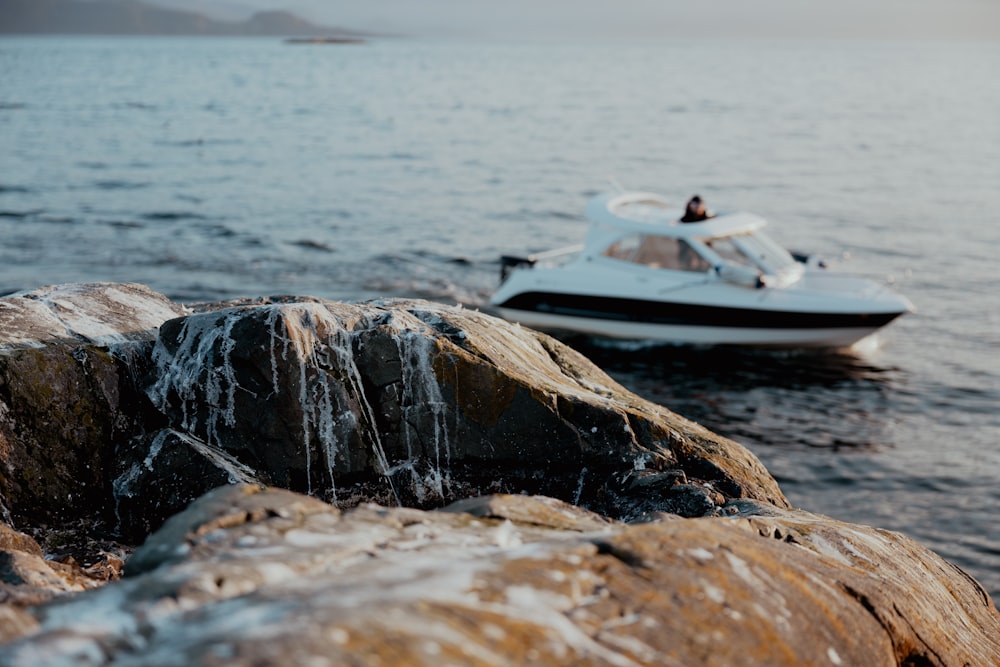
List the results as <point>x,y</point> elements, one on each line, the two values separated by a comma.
<point>97,316</point>
<point>297,334</point>
<point>201,363</point>
<point>855,553</point>
<point>549,610</point>
<point>5,513</point>
<point>823,546</point>
<point>98,313</point>
<point>876,541</point>
<point>220,385</point>
<point>342,347</point>
<point>322,352</point>
<point>639,649</point>
<point>714,593</point>
<point>272,321</point>
<point>122,487</point>
<point>422,392</point>
<point>15,307</point>
<point>579,486</point>
<point>326,430</point>
<point>507,536</point>
<point>237,472</point>
<point>154,450</point>
<point>311,343</point>
<point>701,554</point>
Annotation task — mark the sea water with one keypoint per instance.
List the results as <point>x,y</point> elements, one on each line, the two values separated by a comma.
<point>214,168</point>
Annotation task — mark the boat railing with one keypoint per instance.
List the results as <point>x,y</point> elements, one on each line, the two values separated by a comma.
<point>510,262</point>
<point>553,254</point>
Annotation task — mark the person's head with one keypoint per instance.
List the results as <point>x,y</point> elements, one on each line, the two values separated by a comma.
<point>696,205</point>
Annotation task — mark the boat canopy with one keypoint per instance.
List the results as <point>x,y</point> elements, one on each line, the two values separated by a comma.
<point>625,226</point>
<point>613,216</point>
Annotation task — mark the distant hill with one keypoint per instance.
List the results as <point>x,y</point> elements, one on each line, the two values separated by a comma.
<point>129,17</point>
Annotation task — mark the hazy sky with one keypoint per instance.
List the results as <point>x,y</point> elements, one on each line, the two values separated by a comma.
<point>946,19</point>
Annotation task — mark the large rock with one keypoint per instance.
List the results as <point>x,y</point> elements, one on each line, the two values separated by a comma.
<point>419,404</point>
<point>402,402</point>
<point>66,394</point>
<point>28,579</point>
<point>252,577</point>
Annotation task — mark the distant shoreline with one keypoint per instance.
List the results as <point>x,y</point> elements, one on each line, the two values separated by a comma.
<point>138,19</point>
<point>325,40</point>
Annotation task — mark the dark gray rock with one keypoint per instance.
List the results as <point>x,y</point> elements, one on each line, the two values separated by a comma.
<point>158,475</point>
<point>414,403</point>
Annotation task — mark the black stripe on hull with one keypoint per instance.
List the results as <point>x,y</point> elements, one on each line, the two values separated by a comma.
<point>684,314</point>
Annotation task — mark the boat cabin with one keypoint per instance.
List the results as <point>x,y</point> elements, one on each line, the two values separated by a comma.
<point>642,229</point>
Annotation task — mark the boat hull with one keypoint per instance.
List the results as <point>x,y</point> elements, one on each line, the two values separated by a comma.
<point>703,322</point>
<point>750,334</point>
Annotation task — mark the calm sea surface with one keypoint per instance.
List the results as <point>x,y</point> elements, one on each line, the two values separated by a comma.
<point>217,168</point>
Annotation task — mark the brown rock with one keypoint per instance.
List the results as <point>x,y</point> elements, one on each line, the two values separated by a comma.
<point>401,402</point>
<point>252,577</point>
<point>99,314</point>
<point>414,403</point>
<point>15,623</point>
<point>220,510</point>
<point>13,540</point>
<point>27,580</point>
<point>18,568</point>
<point>539,511</point>
<point>64,397</point>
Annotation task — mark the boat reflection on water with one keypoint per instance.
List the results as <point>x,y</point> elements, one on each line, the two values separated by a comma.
<point>792,399</point>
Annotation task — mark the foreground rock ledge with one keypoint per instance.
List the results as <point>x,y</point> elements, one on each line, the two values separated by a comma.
<point>268,577</point>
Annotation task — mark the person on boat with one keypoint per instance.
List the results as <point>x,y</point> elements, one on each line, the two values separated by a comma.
<point>695,210</point>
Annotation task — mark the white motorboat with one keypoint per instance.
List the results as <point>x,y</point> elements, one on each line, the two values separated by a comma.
<point>642,274</point>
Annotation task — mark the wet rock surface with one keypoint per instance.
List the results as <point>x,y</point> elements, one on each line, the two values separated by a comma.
<point>411,403</point>
<point>251,576</point>
<point>69,357</point>
<point>571,522</point>
<point>114,408</point>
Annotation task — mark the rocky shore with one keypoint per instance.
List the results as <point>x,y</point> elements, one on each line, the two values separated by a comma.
<point>401,482</point>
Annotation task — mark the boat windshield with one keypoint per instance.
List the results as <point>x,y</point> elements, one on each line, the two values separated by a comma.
<point>658,252</point>
<point>753,250</point>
